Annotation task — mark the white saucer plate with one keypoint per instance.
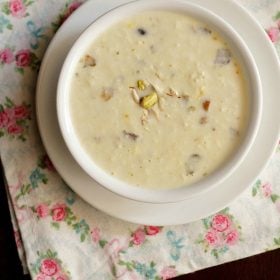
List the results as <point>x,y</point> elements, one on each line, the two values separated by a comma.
<point>166,213</point>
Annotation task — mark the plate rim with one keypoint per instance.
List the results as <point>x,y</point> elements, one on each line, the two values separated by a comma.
<point>145,217</point>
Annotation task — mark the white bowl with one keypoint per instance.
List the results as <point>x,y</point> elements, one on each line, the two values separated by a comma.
<point>114,184</point>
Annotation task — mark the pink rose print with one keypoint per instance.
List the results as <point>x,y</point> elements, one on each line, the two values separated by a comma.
<point>71,8</point>
<point>220,222</point>
<point>43,277</point>
<point>6,56</point>
<point>95,235</point>
<point>59,212</point>
<point>17,239</point>
<point>11,113</point>
<point>42,210</point>
<point>49,267</point>
<point>14,129</point>
<point>13,119</point>
<point>23,58</point>
<point>48,163</point>
<point>4,119</point>
<point>232,237</point>
<point>138,237</point>
<point>45,163</point>
<point>212,238</point>
<point>21,112</point>
<point>273,34</point>
<point>152,230</point>
<point>221,232</point>
<point>17,8</point>
<point>267,189</point>
<point>168,272</point>
<point>61,277</point>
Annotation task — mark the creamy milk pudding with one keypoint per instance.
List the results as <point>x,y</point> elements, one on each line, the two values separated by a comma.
<point>159,100</point>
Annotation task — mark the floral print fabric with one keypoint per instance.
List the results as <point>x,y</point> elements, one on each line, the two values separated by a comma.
<point>58,235</point>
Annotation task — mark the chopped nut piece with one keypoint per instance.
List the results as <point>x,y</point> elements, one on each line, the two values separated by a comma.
<point>135,95</point>
<point>223,57</point>
<point>191,164</point>
<point>189,172</point>
<point>130,135</point>
<point>155,86</point>
<point>149,101</point>
<point>204,30</point>
<point>155,112</point>
<point>141,84</point>
<point>185,97</point>
<point>203,120</point>
<point>191,108</point>
<point>172,92</point>
<point>158,76</point>
<point>206,105</point>
<point>161,103</point>
<point>234,131</point>
<point>144,117</point>
<point>195,157</point>
<point>89,61</point>
<point>106,94</point>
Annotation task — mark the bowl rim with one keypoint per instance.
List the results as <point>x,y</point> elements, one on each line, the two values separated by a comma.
<point>99,174</point>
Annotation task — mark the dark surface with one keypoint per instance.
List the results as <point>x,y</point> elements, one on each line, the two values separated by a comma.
<point>261,267</point>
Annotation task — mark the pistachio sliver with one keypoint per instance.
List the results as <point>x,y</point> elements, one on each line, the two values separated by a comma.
<point>141,85</point>
<point>149,100</point>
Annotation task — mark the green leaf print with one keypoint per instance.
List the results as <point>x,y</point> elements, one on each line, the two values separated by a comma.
<point>274,197</point>
<point>83,237</point>
<point>256,188</point>
<point>51,254</point>
<point>277,241</point>
<point>5,8</point>
<point>25,189</point>
<point>277,16</point>
<point>214,252</point>
<point>55,225</point>
<point>19,70</point>
<point>28,2</point>
<point>102,243</point>
<point>9,26</point>
<point>254,191</point>
<point>9,103</point>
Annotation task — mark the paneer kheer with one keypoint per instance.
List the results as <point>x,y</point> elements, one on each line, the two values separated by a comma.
<point>159,100</point>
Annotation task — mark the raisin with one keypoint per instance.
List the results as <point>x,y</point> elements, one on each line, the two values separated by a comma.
<point>142,31</point>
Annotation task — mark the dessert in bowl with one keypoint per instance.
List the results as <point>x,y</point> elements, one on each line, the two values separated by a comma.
<point>159,101</point>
